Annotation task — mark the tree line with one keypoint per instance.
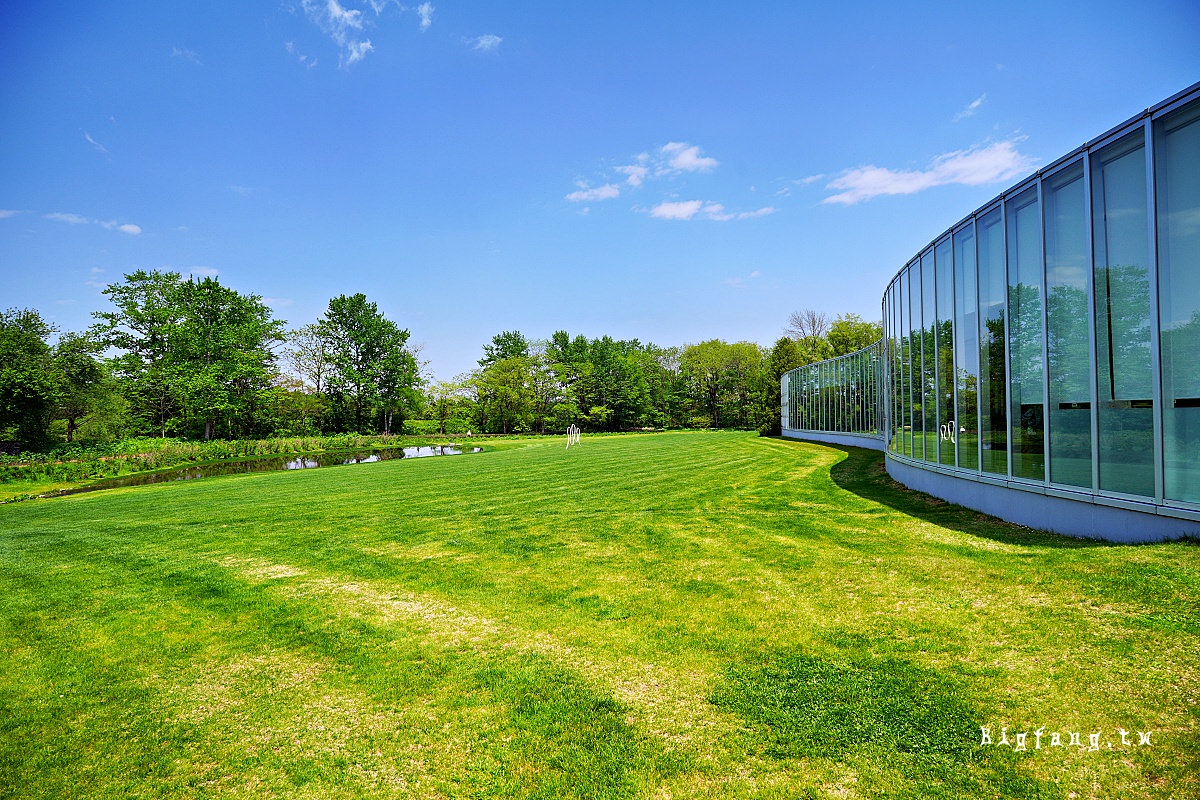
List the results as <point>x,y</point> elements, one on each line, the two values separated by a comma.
<point>195,359</point>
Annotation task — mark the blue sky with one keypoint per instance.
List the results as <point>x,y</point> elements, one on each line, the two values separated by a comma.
<point>665,171</point>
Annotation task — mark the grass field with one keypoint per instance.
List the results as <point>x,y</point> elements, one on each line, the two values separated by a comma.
<point>667,615</point>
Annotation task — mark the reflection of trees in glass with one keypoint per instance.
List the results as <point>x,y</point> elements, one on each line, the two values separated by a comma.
<point>945,389</point>
<point>1181,414</point>
<point>993,434</point>
<point>1123,377</point>
<point>1181,359</point>
<point>1070,386</point>
<point>1025,379</point>
<point>1123,332</point>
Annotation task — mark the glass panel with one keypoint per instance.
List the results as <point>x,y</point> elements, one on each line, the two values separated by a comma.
<point>966,348</point>
<point>947,427</point>
<point>1026,408</point>
<point>993,414</point>
<point>895,419</point>
<point>1070,365</point>
<point>1122,281</point>
<point>929,412</point>
<point>911,359</point>
<point>1177,157</point>
<point>917,372</point>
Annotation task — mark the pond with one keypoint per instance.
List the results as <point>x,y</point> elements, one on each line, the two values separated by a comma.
<point>266,464</point>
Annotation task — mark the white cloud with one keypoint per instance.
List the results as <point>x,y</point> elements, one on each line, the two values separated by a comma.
<point>186,55</point>
<point>244,191</point>
<point>425,12</point>
<point>355,51</point>
<point>200,272</point>
<point>109,225</point>
<point>94,143</point>
<point>277,302</point>
<point>486,43</point>
<point>683,157</point>
<point>689,209</point>
<point>5,213</point>
<point>742,281</point>
<point>341,24</point>
<point>975,166</point>
<point>971,108</point>
<point>301,57</point>
<point>587,195</point>
<point>634,174</point>
<point>683,209</point>
<point>70,219</point>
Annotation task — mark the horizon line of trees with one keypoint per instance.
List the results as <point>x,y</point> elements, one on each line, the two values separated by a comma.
<point>192,358</point>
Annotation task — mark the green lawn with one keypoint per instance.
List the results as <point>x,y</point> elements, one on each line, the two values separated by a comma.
<point>667,615</point>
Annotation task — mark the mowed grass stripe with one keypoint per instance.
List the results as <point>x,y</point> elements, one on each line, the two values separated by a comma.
<point>684,614</point>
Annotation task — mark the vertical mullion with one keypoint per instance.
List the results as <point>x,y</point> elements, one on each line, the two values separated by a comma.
<point>1155,321</point>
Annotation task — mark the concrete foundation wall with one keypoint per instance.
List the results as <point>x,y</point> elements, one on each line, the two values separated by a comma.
<point>1033,509</point>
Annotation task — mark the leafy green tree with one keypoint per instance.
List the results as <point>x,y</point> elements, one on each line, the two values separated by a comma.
<point>29,379</point>
<point>195,354</point>
<point>448,403</point>
<point>785,355</point>
<point>221,354</point>
<point>849,332</point>
<point>509,344</point>
<point>84,380</point>
<point>140,327</point>
<point>372,370</point>
<point>724,378</point>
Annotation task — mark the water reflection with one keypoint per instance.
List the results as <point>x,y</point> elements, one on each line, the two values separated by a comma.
<point>267,464</point>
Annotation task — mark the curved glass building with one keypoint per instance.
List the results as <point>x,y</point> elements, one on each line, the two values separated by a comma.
<point>1041,358</point>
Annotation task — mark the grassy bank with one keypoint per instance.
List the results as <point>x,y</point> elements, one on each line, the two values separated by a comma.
<point>70,466</point>
<point>674,615</point>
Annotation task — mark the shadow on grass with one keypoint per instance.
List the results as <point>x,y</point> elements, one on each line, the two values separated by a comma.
<point>863,473</point>
<point>905,730</point>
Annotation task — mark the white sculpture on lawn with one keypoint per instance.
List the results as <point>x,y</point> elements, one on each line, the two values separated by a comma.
<point>572,435</point>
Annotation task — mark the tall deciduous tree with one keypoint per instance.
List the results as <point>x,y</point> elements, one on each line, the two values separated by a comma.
<point>83,380</point>
<point>195,353</point>
<point>140,327</point>
<point>371,366</point>
<point>221,354</point>
<point>850,332</point>
<point>29,379</point>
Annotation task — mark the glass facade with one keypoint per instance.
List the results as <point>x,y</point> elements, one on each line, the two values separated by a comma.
<point>1051,340</point>
<point>841,395</point>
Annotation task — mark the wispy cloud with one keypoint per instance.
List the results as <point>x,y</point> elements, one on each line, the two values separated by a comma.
<point>278,302</point>
<point>200,272</point>
<point>744,280</point>
<point>109,225</point>
<point>70,219</point>
<point>691,209</point>
<point>244,191</point>
<point>670,159</point>
<point>343,25</point>
<point>425,13</point>
<point>674,159</point>
<point>587,194</point>
<point>187,55</point>
<point>486,43</point>
<point>683,157</point>
<point>635,174</point>
<point>975,166</point>
<point>5,213</point>
<point>94,143</point>
<point>301,57</point>
<point>971,108</point>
